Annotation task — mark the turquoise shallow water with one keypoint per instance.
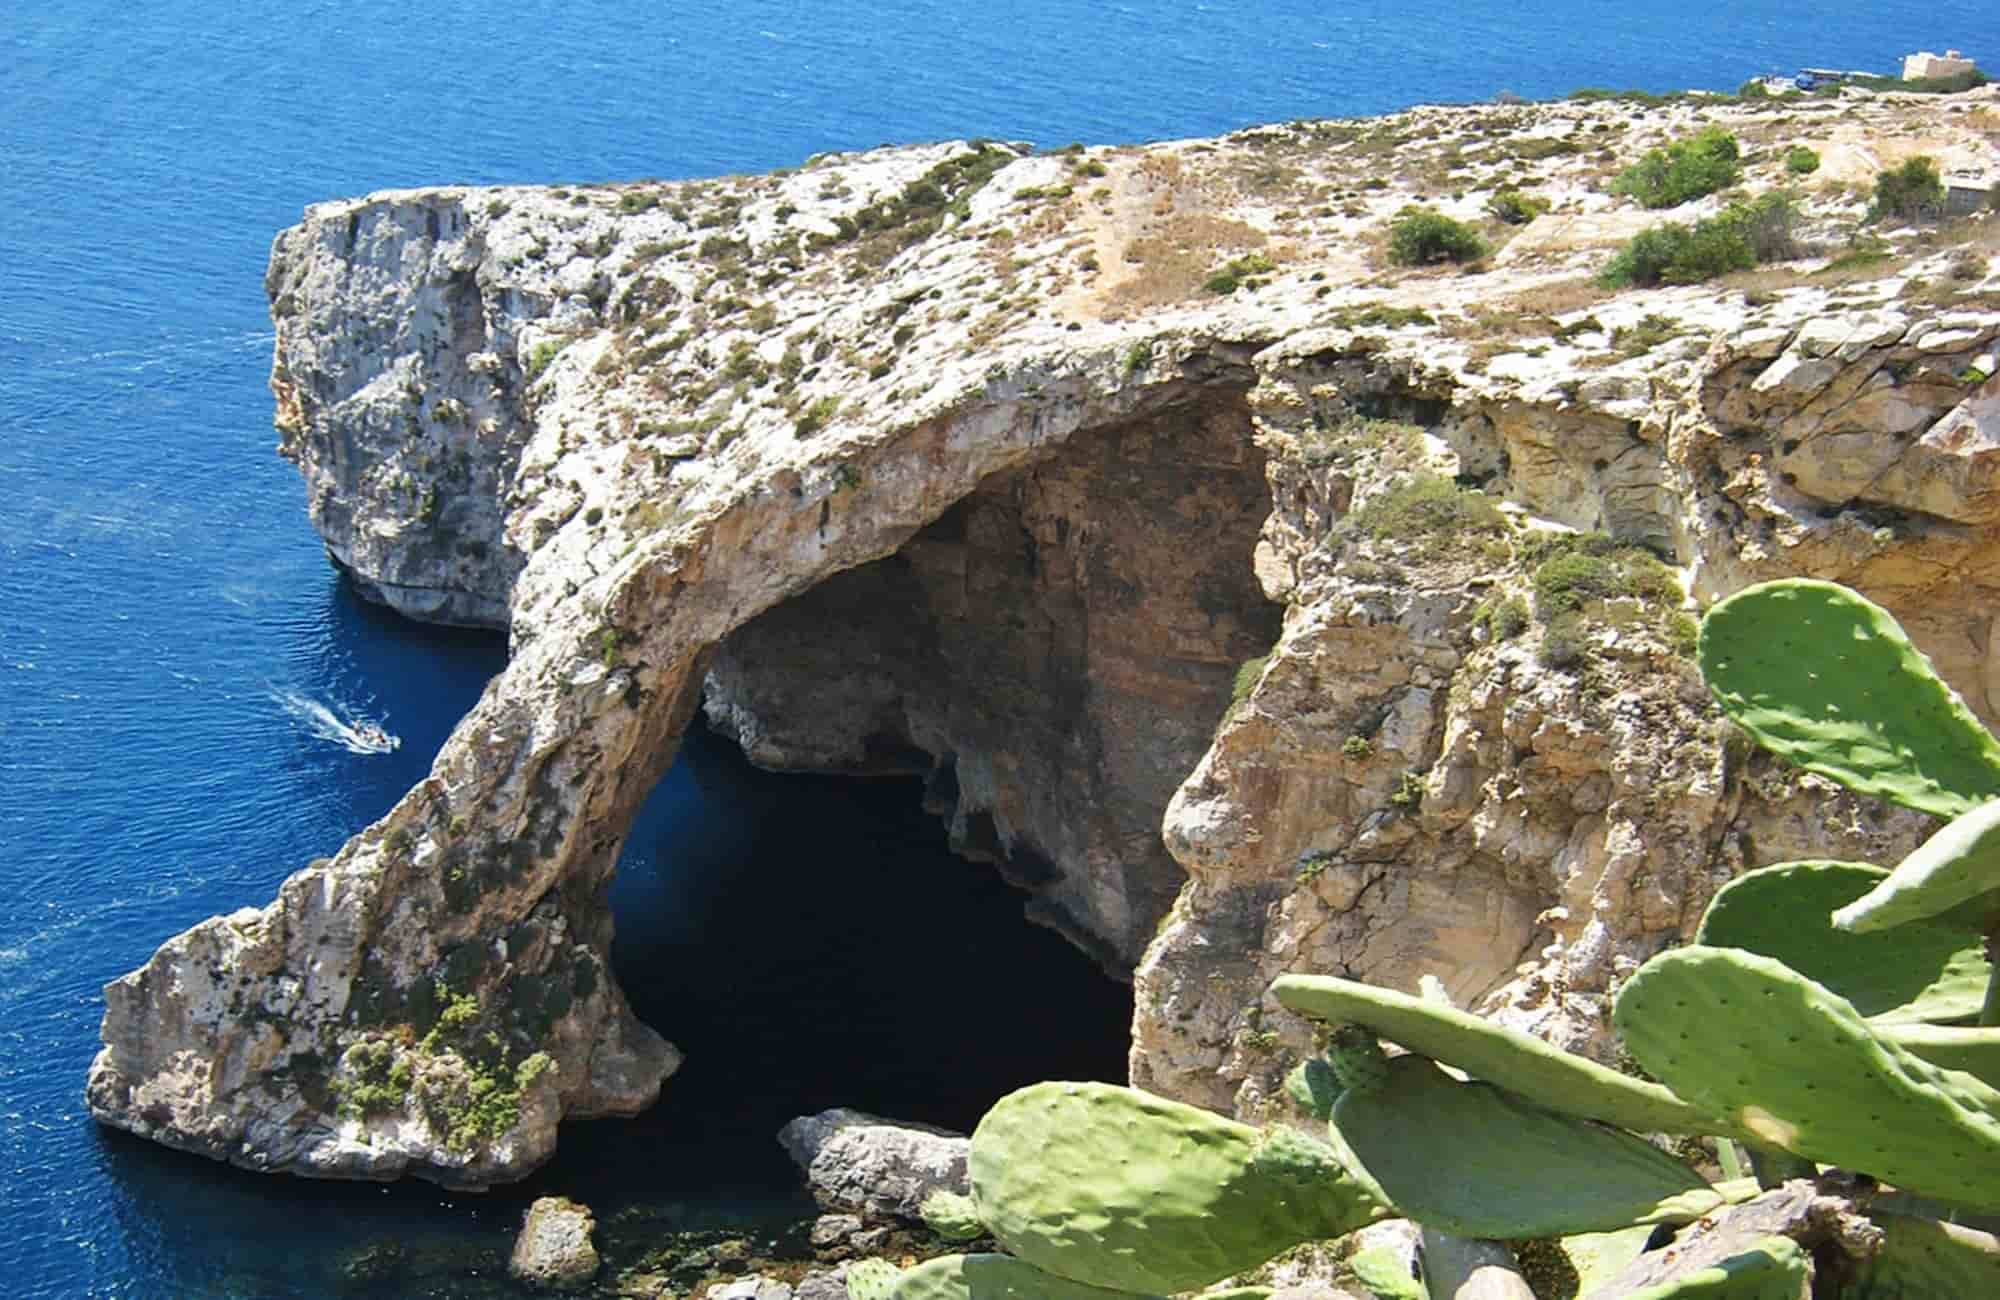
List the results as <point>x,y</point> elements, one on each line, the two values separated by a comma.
<point>160,592</point>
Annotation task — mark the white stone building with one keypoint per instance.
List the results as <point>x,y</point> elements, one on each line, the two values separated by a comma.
<point>1923,64</point>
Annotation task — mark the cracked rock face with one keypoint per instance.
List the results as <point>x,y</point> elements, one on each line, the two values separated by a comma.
<point>932,460</point>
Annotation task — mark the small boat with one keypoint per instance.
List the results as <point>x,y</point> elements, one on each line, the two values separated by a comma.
<point>374,739</point>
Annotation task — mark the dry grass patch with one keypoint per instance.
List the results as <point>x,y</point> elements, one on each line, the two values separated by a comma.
<point>1175,255</point>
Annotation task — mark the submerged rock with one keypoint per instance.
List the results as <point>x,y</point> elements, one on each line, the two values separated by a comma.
<point>554,1250</point>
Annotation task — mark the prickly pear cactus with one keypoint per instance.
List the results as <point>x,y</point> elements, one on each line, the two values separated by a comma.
<point>1358,1061</point>
<point>1931,970</point>
<point>1923,1258</point>
<point>1518,1062</point>
<point>1775,1053</point>
<point>1972,1051</point>
<point>992,1277</point>
<point>872,1279</point>
<point>1827,680</point>
<point>1774,1269</point>
<point>1313,1087</point>
<point>1957,865</point>
<point>1120,1189</point>
<point>1386,1273</point>
<point>1478,1161</point>
<point>951,1216</point>
<point>1598,1257</point>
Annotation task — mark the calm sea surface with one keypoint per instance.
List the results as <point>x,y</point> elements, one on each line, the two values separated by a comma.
<point>168,625</point>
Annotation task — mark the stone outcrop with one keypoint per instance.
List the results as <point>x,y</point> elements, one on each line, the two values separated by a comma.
<point>943,460</point>
<point>877,1169</point>
<point>554,1251</point>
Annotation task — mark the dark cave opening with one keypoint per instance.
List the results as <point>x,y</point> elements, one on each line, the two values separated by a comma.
<point>808,942</point>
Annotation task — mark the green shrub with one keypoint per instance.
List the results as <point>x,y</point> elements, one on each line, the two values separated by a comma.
<point>1651,331</point>
<point>1515,208</point>
<point>1801,161</point>
<point>1671,253</point>
<point>1428,507</point>
<point>1566,583</point>
<point>1238,273</point>
<point>1684,170</point>
<point>1503,619</point>
<point>1736,240</point>
<point>1423,237</point>
<point>814,417</point>
<point>1910,191</point>
<point>1247,676</point>
<point>1565,642</point>
<point>539,359</point>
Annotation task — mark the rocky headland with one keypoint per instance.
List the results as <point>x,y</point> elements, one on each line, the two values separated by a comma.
<point>1252,603</point>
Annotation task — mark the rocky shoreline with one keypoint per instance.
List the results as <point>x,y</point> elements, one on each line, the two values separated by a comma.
<point>1239,624</point>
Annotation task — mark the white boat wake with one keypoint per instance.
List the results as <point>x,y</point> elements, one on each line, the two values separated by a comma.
<point>355,734</point>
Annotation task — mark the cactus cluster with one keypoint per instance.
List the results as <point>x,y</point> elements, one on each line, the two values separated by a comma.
<point>1817,1019</point>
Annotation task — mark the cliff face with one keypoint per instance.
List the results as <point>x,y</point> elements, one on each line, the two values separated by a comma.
<point>942,460</point>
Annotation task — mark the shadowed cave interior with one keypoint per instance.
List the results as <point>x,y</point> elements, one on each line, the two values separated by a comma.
<point>811,941</point>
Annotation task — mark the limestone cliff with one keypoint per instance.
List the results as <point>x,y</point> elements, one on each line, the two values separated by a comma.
<point>994,466</point>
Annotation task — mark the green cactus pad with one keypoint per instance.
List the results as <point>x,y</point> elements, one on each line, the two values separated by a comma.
<point>872,1279</point>
<point>1928,971</point>
<point>1386,1274</point>
<point>992,1277</point>
<point>1313,1087</point>
<point>1478,1161</point>
<point>1358,1061</point>
<point>1827,680</point>
<point>1969,1050</point>
<point>1954,866</point>
<point>1774,1269</point>
<point>952,1216</point>
<point>1556,1079</point>
<point>1239,1293</point>
<point>1598,1257</point>
<point>1122,1189</point>
<point>1779,1055</point>
<point>1922,1259</point>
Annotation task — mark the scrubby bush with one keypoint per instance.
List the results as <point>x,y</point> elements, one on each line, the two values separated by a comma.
<point>1238,273</point>
<point>1515,208</point>
<point>1910,191</point>
<point>1424,237</point>
<point>1801,161</point>
<point>1684,170</point>
<point>1429,508</point>
<point>1736,240</point>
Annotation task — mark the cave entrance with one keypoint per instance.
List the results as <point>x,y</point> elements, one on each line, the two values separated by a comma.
<point>812,941</point>
<point>822,903</point>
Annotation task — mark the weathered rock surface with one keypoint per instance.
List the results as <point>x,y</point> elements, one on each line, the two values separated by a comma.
<point>940,459</point>
<point>874,1168</point>
<point>750,1288</point>
<point>554,1251</point>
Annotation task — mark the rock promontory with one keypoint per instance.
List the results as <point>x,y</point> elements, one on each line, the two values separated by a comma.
<point>1252,602</point>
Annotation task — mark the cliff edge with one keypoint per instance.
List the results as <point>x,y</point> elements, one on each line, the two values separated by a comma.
<point>1021,470</point>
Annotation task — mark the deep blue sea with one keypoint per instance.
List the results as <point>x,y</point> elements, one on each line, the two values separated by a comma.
<point>166,616</point>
